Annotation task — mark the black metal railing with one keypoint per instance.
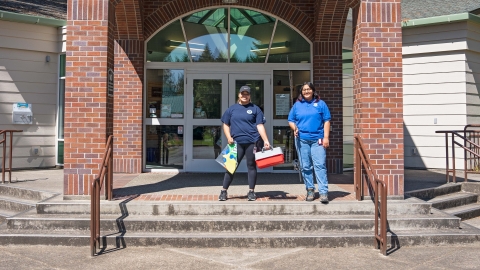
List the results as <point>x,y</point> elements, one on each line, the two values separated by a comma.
<point>363,166</point>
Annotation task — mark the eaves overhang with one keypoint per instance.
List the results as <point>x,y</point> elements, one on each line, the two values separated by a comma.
<point>21,18</point>
<point>444,19</point>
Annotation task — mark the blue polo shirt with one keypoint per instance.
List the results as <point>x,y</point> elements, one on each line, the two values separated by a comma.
<point>310,117</point>
<point>243,121</point>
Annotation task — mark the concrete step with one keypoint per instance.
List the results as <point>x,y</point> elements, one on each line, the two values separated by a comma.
<point>475,222</point>
<point>410,206</point>
<point>327,239</point>
<point>430,193</point>
<point>4,214</point>
<point>453,200</point>
<point>473,187</point>
<point>232,223</point>
<point>24,193</point>
<point>465,211</point>
<point>15,204</point>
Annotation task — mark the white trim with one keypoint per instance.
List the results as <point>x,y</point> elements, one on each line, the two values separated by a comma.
<point>228,67</point>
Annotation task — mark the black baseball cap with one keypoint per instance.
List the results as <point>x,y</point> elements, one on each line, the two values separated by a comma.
<point>244,89</point>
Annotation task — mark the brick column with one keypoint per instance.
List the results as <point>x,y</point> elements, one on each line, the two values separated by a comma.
<point>327,76</point>
<point>128,127</point>
<point>378,89</point>
<point>88,108</point>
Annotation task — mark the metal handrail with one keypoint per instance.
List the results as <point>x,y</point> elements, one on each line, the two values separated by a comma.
<point>4,142</point>
<point>106,170</point>
<point>379,190</point>
<point>466,146</point>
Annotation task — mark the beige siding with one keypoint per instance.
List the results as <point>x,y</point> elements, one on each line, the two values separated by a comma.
<point>25,76</point>
<point>30,37</point>
<point>347,43</point>
<point>435,91</point>
<point>473,85</point>
<point>347,119</point>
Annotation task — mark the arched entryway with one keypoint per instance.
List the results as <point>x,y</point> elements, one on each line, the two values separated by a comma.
<point>198,62</point>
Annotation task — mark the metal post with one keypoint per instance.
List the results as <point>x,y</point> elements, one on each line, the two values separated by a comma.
<point>377,234</point>
<point>453,157</point>
<point>446,150</point>
<point>465,154</point>
<point>383,212</point>
<point>357,171</point>
<point>92,220</point>
<point>10,158</point>
<point>110,175</point>
<point>3,157</point>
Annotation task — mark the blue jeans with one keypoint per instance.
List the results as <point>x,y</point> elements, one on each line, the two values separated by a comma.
<point>311,153</point>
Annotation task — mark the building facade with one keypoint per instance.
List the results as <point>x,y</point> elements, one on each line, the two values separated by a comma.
<point>166,57</point>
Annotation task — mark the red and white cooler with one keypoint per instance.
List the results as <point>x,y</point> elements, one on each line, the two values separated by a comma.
<point>268,158</point>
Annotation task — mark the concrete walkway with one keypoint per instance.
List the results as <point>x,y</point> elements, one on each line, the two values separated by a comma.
<point>54,257</point>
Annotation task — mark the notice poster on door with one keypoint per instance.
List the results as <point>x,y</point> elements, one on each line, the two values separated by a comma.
<point>282,104</point>
<point>166,110</point>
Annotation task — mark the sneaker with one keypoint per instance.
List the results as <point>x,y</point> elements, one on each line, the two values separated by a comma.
<point>323,198</point>
<point>251,196</point>
<point>223,195</point>
<point>310,195</point>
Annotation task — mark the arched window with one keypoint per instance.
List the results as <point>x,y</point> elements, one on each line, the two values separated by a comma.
<point>228,35</point>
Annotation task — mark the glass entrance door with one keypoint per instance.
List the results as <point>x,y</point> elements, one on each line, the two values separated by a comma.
<point>207,99</point>
<point>208,96</point>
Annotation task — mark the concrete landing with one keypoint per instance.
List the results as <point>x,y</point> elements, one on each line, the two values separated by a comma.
<point>207,186</point>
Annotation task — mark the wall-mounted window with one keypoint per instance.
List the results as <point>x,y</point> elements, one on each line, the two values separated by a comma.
<point>165,93</point>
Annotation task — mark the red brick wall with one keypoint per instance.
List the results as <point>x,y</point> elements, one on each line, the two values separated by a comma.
<point>328,73</point>
<point>88,109</point>
<point>378,89</point>
<point>129,55</point>
<point>327,76</point>
<point>129,20</point>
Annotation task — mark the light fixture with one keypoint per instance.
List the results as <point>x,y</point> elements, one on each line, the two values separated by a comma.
<point>276,45</point>
<point>178,44</point>
<point>47,58</point>
<point>174,43</point>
